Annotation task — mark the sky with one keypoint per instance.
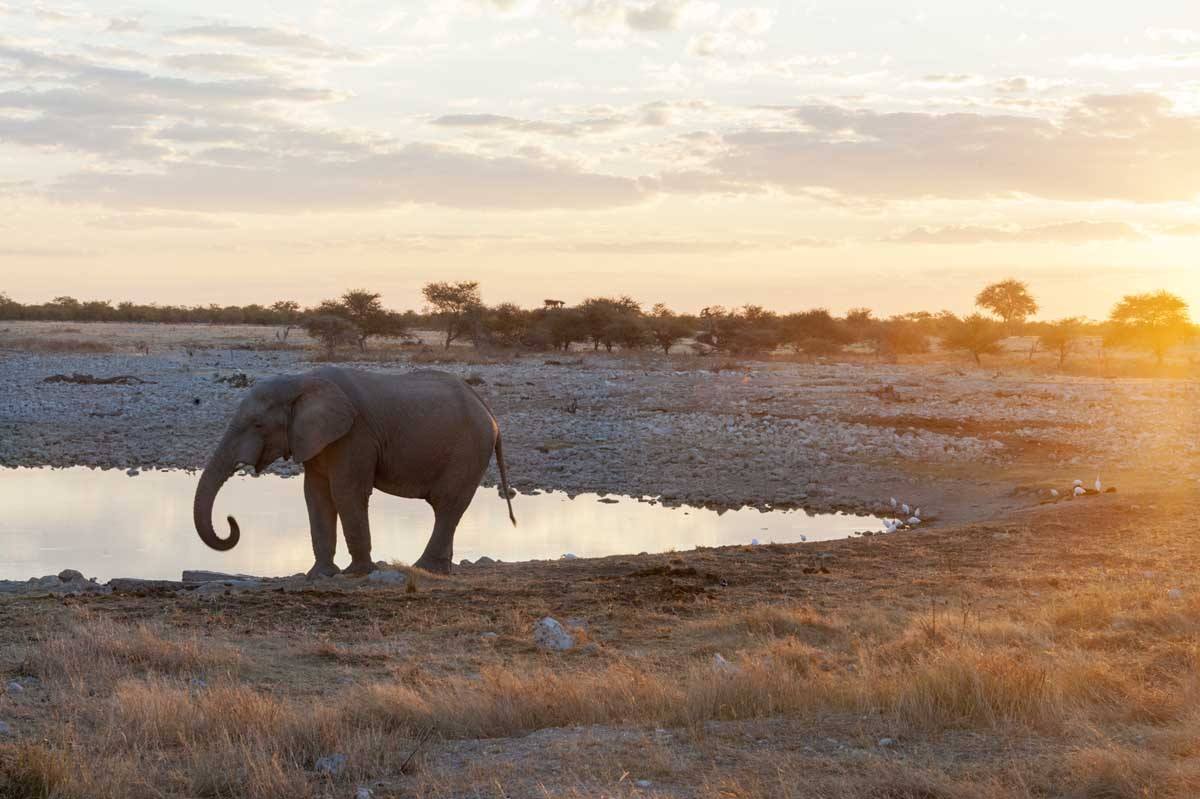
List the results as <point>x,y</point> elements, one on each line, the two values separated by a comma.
<point>821,153</point>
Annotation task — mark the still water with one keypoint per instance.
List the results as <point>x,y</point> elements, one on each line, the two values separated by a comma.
<point>107,524</point>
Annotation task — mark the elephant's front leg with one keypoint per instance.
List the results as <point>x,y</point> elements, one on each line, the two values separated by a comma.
<point>352,502</point>
<point>322,524</point>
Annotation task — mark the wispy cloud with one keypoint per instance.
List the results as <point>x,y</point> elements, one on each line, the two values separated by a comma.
<point>1062,233</point>
<point>295,43</point>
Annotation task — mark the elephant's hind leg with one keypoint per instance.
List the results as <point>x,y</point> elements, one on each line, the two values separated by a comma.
<point>322,524</point>
<point>439,552</point>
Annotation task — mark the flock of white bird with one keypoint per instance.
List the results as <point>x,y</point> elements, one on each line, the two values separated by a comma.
<point>1079,490</point>
<point>908,517</point>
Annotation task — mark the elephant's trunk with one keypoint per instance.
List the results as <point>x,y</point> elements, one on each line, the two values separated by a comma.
<point>219,469</point>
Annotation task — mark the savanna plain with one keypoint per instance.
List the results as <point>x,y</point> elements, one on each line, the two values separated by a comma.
<point>1019,642</point>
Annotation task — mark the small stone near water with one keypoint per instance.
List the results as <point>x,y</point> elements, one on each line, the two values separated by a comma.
<point>132,472</point>
<point>484,560</point>
<point>1175,593</point>
<point>387,577</point>
<point>608,501</point>
<point>69,575</point>
<point>331,764</point>
<point>549,634</point>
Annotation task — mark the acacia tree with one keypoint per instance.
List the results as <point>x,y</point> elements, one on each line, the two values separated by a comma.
<point>977,335</point>
<point>507,324</point>
<point>457,307</point>
<point>815,332</point>
<point>1010,300</point>
<point>1061,337</point>
<point>364,309</point>
<point>666,327</point>
<point>1155,322</point>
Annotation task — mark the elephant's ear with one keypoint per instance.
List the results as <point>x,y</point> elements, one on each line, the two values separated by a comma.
<point>321,414</point>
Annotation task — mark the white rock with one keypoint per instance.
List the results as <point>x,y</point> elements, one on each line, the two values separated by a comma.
<point>549,634</point>
<point>387,577</point>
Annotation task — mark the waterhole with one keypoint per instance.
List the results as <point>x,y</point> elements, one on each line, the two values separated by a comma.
<point>107,524</point>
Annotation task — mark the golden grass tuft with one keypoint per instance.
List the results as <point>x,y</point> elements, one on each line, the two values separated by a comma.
<point>98,650</point>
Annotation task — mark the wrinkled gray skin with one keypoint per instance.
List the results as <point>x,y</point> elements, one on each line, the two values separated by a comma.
<point>425,435</point>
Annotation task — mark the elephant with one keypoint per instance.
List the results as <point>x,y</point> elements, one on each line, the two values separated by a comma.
<point>423,435</point>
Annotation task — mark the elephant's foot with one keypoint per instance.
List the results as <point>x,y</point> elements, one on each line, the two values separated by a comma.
<point>323,570</point>
<point>434,565</point>
<point>359,568</point>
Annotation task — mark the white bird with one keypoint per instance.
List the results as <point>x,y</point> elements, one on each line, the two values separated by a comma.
<point>891,525</point>
<point>1099,485</point>
<point>1054,492</point>
<point>1078,483</point>
<point>894,503</point>
<point>917,513</point>
<point>753,542</point>
<point>914,521</point>
<point>905,508</point>
<point>1080,491</point>
<point>803,538</point>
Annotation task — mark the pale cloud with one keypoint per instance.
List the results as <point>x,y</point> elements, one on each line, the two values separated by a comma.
<point>220,63</point>
<point>642,16</point>
<point>148,221</point>
<point>1128,147</point>
<point>1174,35</point>
<point>295,43</point>
<point>1132,63</point>
<point>1062,232</point>
<point>1184,229</point>
<point>496,122</point>
<point>123,25</point>
<point>412,174</point>
<point>735,36</point>
<point>1017,85</point>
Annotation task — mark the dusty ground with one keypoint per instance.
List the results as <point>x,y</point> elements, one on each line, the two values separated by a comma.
<point>1014,649</point>
<point>1050,654</point>
<point>962,443</point>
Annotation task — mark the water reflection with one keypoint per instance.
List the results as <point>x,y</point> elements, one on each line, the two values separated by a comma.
<point>107,524</point>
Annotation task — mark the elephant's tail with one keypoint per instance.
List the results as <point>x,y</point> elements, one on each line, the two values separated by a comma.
<point>504,477</point>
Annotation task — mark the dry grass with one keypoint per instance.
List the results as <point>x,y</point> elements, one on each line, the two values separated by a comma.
<point>55,346</point>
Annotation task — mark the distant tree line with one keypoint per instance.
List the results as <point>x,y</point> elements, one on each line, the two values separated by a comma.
<point>1155,323</point>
